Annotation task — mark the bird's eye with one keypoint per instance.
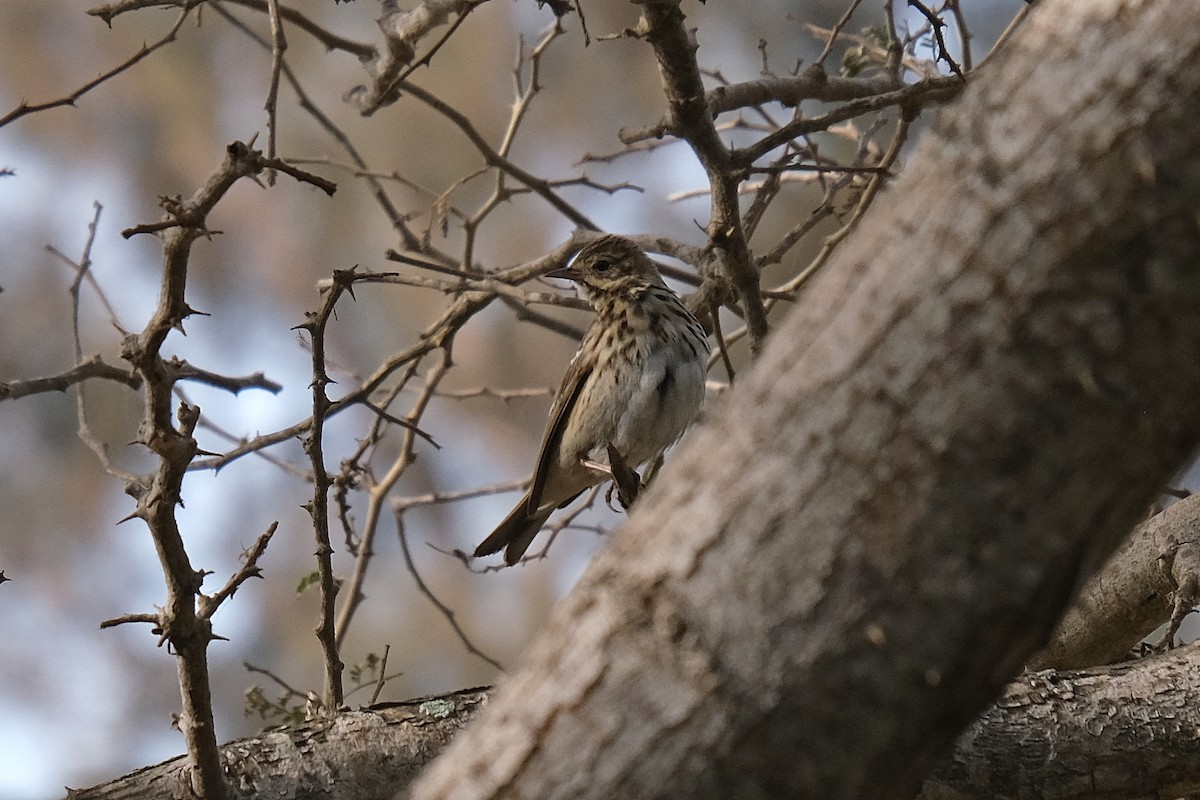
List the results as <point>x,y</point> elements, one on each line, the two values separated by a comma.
<point>602,265</point>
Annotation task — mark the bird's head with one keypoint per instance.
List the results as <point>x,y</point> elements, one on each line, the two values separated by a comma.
<point>611,265</point>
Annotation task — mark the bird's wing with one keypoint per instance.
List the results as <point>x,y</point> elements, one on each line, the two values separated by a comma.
<point>560,413</point>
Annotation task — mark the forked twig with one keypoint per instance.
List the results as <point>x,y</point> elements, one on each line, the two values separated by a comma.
<point>446,611</point>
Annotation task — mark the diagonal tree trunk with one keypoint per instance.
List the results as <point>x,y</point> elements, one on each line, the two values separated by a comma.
<point>883,521</point>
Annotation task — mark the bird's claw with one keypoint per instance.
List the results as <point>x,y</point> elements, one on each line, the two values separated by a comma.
<point>627,482</point>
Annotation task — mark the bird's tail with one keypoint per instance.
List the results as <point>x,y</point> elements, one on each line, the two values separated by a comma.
<point>515,533</point>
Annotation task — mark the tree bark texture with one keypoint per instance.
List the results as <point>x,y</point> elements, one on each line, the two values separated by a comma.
<point>884,519</point>
<point>1112,732</point>
<point>357,755</point>
<point>1135,592</point>
<point>1100,734</point>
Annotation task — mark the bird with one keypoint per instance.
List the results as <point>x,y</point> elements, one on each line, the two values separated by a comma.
<point>634,386</point>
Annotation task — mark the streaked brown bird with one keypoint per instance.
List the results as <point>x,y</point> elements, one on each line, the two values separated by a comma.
<point>633,388</point>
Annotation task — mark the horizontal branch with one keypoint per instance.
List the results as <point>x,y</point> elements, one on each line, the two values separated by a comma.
<point>182,370</point>
<point>814,84</point>
<point>1114,732</point>
<point>365,754</point>
<point>927,91</point>
<point>93,367</point>
<point>1094,733</point>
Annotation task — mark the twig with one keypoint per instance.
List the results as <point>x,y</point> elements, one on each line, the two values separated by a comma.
<point>941,53</point>
<point>210,603</point>
<point>287,687</point>
<point>499,288</point>
<point>330,40</point>
<point>438,498</point>
<point>498,394</point>
<point>207,424</point>
<point>387,649</point>
<point>83,272</point>
<point>722,347</point>
<point>278,46</point>
<point>92,367</point>
<point>692,120</point>
<point>493,158</point>
<point>964,33</point>
<point>403,423</point>
<point>183,371</point>
<point>447,612</point>
<point>24,108</point>
<point>379,493</point>
<point>836,31</point>
<point>125,619</point>
<point>318,507</point>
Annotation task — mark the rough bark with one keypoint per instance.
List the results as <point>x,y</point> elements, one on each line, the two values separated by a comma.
<point>885,518</point>
<point>357,755</point>
<point>1113,732</point>
<point>1134,593</point>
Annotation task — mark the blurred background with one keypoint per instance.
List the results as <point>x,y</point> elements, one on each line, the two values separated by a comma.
<point>81,705</point>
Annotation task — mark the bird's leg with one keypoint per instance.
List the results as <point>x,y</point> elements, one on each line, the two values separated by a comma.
<point>627,481</point>
<point>596,466</point>
<point>606,471</point>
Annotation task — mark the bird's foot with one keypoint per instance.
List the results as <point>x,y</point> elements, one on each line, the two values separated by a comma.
<point>627,481</point>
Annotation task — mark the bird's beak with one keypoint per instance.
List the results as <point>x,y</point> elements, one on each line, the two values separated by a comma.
<point>568,273</point>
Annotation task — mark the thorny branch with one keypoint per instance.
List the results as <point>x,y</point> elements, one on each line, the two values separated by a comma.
<point>24,108</point>
<point>318,507</point>
<point>92,367</point>
<point>691,120</point>
<point>185,618</point>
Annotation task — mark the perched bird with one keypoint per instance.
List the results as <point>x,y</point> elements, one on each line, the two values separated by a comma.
<point>632,389</point>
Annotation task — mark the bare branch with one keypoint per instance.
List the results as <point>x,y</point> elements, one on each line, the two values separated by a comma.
<point>183,371</point>
<point>93,367</point>
<point>249,569</point>
<point>675,51</point>
<point>447,612</point>
<point>331,40</point>
<point>318,507</point>
<point>379,493</point>
<point>24,108</point>
<point>402,31</point>
<point>152,619</point>
<point>538,186</point>
<point>936,24</point>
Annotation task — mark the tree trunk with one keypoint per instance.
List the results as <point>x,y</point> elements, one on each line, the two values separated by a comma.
<point>885,518</point>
